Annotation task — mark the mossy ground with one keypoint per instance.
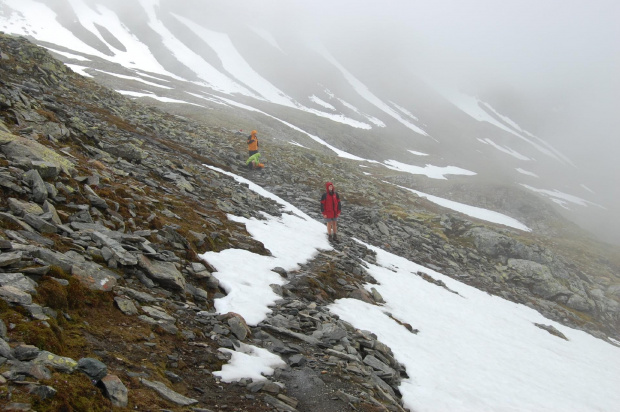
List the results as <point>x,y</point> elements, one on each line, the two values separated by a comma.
<point>94,327</point>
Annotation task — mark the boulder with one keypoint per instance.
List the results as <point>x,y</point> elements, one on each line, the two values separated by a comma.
<point>538,278</point>
<point>115,390</point>
<point>94,276</point>
<point>168,394</point>
<point>19,147</point>
<point>165,273</point>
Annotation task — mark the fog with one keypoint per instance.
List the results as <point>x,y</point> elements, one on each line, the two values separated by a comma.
<point>551,65</point>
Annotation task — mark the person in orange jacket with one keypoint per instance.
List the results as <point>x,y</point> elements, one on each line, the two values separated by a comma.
<point>330,209</point>
<point>253,143</point>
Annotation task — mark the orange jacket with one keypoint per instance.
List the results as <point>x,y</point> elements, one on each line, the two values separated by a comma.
<point>253,141</point>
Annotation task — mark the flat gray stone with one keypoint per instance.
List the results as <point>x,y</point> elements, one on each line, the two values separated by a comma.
<point>20,208</point>
<point>60,363</point>
<point>308,339</point>
<point>238,327</point>
<point>119,253</point>
<point>94,198</point>
<point>40,224</point>
<point>25,352</point>
<point>5,349</point>
<point>95,276</point>
<point>158,313</point>
<point>54,258</point>
<point>168,393</point>
<point>115,390</point>
<point>9,218</point>
<point>13,295</point>
<point>8,259</point>
<point>165,273</point>
<point>42,391</point>
<point>93,368</point>
<point>377,365</point>
<point>45,169</point>
<point>39,190</point>
<point>126,306</point>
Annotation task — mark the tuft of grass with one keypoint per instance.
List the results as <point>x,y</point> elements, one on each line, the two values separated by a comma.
<point>38,334</point>
<point>6,224</point>
<point>53,294</point>
<point>58,272</point>
<point>156,224</point>
<point>61,244</point>
<point>48,115</point>
<point>75,393</point>
<point>80,296</point>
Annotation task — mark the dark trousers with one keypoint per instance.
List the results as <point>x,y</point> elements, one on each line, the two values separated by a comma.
<point>253,152</point>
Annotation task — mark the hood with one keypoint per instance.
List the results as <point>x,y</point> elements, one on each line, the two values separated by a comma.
<point>327,186</point>
<point>253,132</point>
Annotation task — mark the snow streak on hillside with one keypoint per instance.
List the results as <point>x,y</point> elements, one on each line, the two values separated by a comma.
<point>236,65</point>
<point>473,211</point>
<point>205,71</point>
<point>32,18</point>
<point>562,199</point>
<point>483,112</point>
<point>367,94</point>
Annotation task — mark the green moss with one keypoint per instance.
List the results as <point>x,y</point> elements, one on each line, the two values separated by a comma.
<point>79,296</point>
<point>75,393</point>
<point>58,272</point>
<point>7,224</point>
<point>38,334</point>
<point>53,294</point>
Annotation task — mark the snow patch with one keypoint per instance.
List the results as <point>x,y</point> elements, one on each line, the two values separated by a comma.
<point>81,70</point>
<point>508,150</point>
<point>249,362</point>
<point>156,97</point>
<point>473,211</point>
<point>434,172</point>
<point>525,172</point>
<point>417,153</point>
<point>562,199</point>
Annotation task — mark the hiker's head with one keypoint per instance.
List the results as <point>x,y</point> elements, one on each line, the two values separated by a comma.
<point>329,187</point>
<point>254,132</point>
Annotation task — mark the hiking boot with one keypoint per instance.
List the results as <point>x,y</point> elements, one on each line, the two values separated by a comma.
<point>329,237</point>
<point>335,238</point>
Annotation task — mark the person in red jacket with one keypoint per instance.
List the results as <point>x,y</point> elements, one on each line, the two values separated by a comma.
<point>330,208</point>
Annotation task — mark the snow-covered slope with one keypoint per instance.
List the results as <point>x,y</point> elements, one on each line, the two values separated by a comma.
<point>474,351</point>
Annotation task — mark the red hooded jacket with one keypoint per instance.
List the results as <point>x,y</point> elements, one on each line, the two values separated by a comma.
<point>330,202</point>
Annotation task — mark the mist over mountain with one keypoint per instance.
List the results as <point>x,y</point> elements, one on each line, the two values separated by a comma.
<point>519,94</point>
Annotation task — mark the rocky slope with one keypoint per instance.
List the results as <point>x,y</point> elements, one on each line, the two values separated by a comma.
<point>104,303</point>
